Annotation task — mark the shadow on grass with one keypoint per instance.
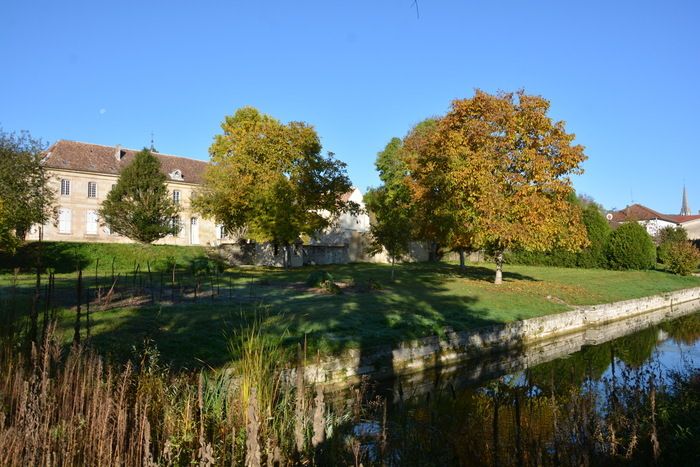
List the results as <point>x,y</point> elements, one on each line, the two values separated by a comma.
<point>194,333</point>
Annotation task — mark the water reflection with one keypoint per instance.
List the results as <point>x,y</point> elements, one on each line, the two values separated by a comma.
<point>633,400</point>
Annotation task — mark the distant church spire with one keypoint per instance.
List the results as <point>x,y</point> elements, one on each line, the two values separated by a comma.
<point>153,149</point>
<point>685,209</point>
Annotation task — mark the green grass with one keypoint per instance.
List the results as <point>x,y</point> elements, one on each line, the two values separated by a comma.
<point>66,257</point>
<point>424,300</point>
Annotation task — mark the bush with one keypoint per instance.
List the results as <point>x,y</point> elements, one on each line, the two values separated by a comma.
<point>318,278</point>
<point>631,247</point>
<point>592,256</point>
<point>598,231</point>
<point>682,258</point>
<point>557,257</point>
<point>666,237</point>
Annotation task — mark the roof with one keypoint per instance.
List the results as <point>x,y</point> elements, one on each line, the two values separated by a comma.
<point>637,212</point>
<point>87,157</point>
<point>345,197</point>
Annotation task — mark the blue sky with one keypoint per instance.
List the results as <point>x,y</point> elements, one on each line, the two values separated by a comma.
<point>622,74</point>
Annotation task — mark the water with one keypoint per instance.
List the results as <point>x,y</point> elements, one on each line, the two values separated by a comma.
<point>603,403</point>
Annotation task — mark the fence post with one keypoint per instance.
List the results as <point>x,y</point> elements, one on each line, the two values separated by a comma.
<point>79,286</point>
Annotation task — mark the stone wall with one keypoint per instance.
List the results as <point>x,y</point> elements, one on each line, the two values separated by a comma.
<point>545,338</point>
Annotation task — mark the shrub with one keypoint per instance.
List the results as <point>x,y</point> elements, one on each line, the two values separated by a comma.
<point>631,247</point>
<point>598,231</point>
<point>666,237</point>
<point>592,256</point>
<point>682,258</point>
<point>318,278</point>
<point>556,257</point>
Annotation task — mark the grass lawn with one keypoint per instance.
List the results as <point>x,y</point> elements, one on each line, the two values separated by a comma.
<point>424,300</point>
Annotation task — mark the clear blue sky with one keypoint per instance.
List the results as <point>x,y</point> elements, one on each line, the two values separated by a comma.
<point>623,74</point>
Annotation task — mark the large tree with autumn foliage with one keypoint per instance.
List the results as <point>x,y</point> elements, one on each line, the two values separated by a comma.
<point>496,168</point>
<point>272,179</point>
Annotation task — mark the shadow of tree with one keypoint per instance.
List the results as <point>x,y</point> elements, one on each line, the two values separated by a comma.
<point>189,333</point>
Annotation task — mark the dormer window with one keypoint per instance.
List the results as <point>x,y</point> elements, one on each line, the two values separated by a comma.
<point>176,175</point>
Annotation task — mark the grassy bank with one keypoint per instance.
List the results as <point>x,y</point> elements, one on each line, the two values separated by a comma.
<point>425,299</point>
<point>66,257</point>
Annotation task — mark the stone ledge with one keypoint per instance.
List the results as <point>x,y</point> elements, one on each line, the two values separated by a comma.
<point>433,351</point>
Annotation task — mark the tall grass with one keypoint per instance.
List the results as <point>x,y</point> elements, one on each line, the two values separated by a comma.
<point>71,408</point>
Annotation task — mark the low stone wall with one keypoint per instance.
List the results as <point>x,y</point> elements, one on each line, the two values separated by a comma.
<point>534,334</point>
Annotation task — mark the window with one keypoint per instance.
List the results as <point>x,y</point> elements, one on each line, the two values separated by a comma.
<point>91,223</point>
<point>176,175</point>
<point>175,223</point>
<point>92,190</point>
<point>65,187</point>
<point>64,221</point>
<point>220,231</point>
<point>194,231</point>
<point>176,197</point>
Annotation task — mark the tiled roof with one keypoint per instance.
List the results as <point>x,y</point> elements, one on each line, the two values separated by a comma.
<point>637,212</point>
<point>73,155</point>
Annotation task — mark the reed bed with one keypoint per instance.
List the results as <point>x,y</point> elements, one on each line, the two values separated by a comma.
<point>71,408</point>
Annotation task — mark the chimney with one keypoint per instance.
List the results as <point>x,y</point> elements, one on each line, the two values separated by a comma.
<point>118,154</point>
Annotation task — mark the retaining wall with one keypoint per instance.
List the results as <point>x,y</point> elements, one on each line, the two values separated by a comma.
<point>535,333</point>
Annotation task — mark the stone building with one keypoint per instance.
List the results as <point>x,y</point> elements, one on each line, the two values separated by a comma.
<point>82,174</point>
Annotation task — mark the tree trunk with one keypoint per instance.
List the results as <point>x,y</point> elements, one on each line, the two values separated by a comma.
<point>499,267</point>
<point>393,260</point>
<point>287,256</point>
<point>461,259</point>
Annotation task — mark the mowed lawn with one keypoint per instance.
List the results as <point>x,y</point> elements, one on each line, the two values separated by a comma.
<point>425,299</point>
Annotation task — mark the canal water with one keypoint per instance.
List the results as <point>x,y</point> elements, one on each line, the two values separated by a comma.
<point>611,401</point>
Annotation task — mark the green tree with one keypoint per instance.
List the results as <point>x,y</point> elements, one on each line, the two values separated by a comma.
<point>499,169</point>
<point>139,206</point>
<point>272,179</point>
<point>389,205</point>
<point>25,193</point>
<point>682,258</point>
<point>436,214</point>
<point>598,231</point>
<point>667,237</point>
<point>631,247</point>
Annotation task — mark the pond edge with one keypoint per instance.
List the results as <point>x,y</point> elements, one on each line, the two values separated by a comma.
<point>535,334</point>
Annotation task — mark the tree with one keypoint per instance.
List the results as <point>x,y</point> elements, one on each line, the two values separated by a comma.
<point>682,258</point>
<point>8,241</point>
<point>499,169</point>
<point>598,231</point>
<point>667,237</point>
<point>139,206</point>
<point>390,206</point>
<point>25,194</point>
<point>426,175</point>
<point>631,247</point>
<point>272,179</point>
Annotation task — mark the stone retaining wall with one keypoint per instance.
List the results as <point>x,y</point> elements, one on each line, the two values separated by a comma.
<point>535,333</point>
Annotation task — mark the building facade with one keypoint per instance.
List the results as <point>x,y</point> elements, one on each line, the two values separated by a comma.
<point>82,175</point>
<point>654,221</point>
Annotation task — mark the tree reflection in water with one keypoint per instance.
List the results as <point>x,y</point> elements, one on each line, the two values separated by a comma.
<point>608,404</point>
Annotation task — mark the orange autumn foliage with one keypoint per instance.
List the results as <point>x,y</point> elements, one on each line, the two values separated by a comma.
<point>495,171</point>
